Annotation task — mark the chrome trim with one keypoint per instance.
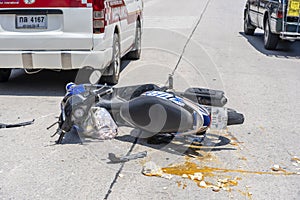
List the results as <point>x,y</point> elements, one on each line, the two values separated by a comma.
<point>289,36</point>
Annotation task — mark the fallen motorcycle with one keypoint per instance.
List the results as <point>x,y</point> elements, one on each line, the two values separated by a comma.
<point>148,107</point>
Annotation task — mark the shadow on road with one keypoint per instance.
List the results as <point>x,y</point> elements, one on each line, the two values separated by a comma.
<point>44,83</point>
<point>285,49</point>
<point>185,148</point>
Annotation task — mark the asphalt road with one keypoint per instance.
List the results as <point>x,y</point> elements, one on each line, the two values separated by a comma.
<point>261,84</point>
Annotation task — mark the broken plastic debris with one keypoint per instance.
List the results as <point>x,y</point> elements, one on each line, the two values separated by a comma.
<point>151,169</point>
<point>99,124</point>
<point>114,159</point>
<point>16,125</point>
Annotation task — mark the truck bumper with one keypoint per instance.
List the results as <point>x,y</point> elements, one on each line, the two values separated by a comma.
<point>290,36</point>
<point>64,60</point>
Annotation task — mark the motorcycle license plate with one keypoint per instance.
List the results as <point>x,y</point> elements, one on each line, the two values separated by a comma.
<point>218,118</point>
<point>294,8</point>
<point>31,22</point>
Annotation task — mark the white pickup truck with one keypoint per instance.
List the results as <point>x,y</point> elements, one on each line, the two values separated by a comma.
<point>69,34</point>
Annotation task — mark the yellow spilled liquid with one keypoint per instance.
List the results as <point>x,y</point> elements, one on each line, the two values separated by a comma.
<point>190,168</point>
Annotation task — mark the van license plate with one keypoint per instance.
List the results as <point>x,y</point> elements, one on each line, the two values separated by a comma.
<point>31,21</point>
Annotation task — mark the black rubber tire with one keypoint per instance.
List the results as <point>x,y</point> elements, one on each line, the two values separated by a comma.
<point>270,39</point>
<point>4,75</point>
<point>165,138</point>
<point>116,63</point>
<point>248,27</point>
<point>234,118</point>
<point>136,54</point>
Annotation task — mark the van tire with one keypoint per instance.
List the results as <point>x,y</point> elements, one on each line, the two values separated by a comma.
<point>4,75</point>
<point>270,39</point>
<point>136,54</point>
<point>116,63</point>
<point>248,27</point>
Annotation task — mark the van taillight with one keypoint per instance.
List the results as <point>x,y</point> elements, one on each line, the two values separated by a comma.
<point>98,16</point>
<point>279,14</point>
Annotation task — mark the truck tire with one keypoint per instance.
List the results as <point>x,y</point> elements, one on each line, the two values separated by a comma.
<point>270,39</point>
<point>4,75</point>
<point>248,27</point>
<point>116,63</point>
<point>136,54</point>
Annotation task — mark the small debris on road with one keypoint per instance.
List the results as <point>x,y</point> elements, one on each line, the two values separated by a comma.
<point>152,169</point>
<point>275,168</point>
<point>198,176</point>
<point>216,189</point>
<point>167,176</point>
<point>114,159</point>
<point>295,160</point>
<point>184,176</point>
<point>203,184</point>
<point>16,125</point>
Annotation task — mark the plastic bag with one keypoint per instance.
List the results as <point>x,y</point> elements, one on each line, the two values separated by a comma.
<point>100,124</point>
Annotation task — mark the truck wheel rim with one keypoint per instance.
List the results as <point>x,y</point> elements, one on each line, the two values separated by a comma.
<point>266,32</point>
<point>138,41</point>
<point>117,59</point>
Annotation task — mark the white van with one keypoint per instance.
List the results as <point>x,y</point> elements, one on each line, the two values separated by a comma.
<point>69,34</point>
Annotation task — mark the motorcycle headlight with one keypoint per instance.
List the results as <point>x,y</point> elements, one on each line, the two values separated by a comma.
<point>79,112</point>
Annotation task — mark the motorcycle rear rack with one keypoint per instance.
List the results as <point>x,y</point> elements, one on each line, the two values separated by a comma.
<point>206,96</point>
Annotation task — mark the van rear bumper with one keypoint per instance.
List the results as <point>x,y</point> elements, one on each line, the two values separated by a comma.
<point>64,60</point>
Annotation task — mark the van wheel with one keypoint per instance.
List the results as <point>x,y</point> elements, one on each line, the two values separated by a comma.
<point>136,53</point>
<point>4,74</point>
<point>116,63</point>
<point>248,27</point>
<point>270,39</point>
